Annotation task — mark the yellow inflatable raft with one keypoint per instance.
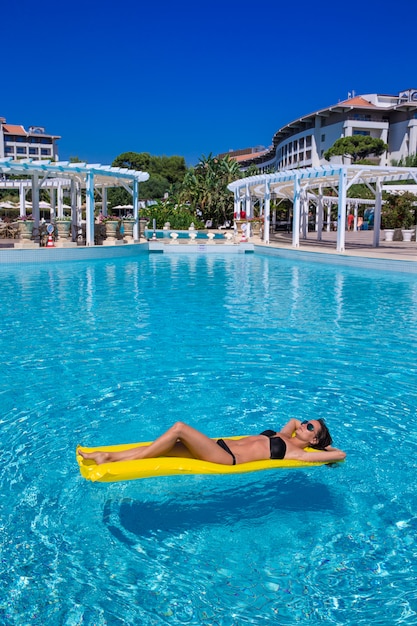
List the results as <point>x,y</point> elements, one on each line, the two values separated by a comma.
<point>170,466</point>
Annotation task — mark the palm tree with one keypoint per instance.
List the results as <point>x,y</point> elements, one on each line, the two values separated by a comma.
<point>205,186</point>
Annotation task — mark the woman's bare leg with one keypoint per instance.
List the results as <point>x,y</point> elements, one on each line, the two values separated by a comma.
<point>196,444</point>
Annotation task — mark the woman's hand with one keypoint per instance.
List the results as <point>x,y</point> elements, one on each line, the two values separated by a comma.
<point>290,427</point>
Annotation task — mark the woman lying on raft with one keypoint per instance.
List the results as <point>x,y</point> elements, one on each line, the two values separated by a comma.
<point>184,441</point>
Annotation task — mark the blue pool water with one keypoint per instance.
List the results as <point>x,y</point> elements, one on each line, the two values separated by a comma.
<point>116,351</point>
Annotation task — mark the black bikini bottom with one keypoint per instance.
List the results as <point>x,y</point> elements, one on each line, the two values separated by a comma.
<point>223,444</point>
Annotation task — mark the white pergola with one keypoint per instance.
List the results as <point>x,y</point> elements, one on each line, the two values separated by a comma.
<point>301,185</point>
<point>75,177</point>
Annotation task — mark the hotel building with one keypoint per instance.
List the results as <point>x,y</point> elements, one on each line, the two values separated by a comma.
<point>18,143</point>
<point>303,142</point>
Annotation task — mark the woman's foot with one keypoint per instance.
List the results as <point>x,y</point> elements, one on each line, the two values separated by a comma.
<point>98,457</point>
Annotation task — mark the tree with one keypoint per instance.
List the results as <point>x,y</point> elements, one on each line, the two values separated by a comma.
<point>163,172</point>
<point>356,147</point>
<point>180,216</point>
<point>205,188</point>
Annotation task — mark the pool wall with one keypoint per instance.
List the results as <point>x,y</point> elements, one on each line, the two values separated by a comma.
<point>200,248</point>
<point>80,253</point>
<point>45,255</point>
<point>182,234</point>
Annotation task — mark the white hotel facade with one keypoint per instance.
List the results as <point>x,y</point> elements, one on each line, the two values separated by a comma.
<point>18,143</point>
<point>303,142</point>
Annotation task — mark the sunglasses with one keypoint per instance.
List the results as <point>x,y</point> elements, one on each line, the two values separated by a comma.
<point>310,426</point>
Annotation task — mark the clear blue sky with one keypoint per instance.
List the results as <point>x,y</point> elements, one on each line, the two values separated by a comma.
<point>192,78</point>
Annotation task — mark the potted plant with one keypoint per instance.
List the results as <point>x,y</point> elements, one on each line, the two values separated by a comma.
<point>63,225</point>
<point>406,209</point>
<point>389,222</point>
<point>398,213</point>
<point>112,224</point>
<point>25,227</point>
<point>256,224</point>
<point>127,226</point>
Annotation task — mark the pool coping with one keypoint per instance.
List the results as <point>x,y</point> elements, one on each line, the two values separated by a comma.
<point>365,258</point>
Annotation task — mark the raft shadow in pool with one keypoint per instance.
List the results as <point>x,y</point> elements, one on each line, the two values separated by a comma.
<point>140,519</point>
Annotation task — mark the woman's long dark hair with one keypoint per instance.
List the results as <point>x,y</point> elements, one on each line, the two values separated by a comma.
<point>323,438</point>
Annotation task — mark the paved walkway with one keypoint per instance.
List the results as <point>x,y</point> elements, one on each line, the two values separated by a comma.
<point>356,244</point>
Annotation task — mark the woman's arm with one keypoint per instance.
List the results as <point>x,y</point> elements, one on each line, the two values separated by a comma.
<point>329,454</point>
<point>290,427</point>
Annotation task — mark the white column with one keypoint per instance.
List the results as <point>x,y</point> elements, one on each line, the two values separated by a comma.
<point>135,202</point>
<point>104,200</point>
<point>248,211</point>
<point>60,201</point>
<point>412,137</point>
<point>274,218</point>
<point>73,198</point>
<point>341,211</point>
<point>73,202</point>
<point>296,214</point>
<point>236,205</point>
<point>267,213</point>
<point>304,213</point>
<point>247,203</point>
<point>79,219</point>
<point>52,197</point>
<point>89,239</point>
<point>377,212</point>
<point>22,200</point>
<point>319,209</point>
<point>35,198</point>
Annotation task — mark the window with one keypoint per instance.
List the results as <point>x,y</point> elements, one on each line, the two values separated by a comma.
<point>323,138</point>
<point>33,151</point>
<point>21,150</point>
<point>362,118</point>
<point>45,152</point>
<point>366,133</point>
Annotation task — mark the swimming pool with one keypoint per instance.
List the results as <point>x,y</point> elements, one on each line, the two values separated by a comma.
<point>116,350</point>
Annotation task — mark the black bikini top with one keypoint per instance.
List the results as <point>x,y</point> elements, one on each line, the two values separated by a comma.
<point>269,433</point>
<point>278,447</point>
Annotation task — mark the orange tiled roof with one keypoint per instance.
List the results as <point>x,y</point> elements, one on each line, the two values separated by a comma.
<point>358,101</point>
<point>14,129</point>
<point>248,156</point>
